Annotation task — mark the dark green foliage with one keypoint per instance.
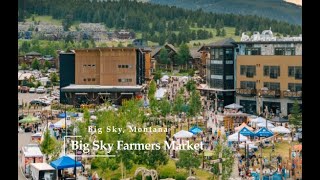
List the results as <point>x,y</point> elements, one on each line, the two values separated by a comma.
<point>134,15</point>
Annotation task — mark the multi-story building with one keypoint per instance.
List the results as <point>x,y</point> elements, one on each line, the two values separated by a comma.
<point>268,73</point>
<point>219,71</point>
<point>100,74</point>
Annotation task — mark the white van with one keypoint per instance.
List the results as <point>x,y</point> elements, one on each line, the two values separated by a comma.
<point>42,171</point>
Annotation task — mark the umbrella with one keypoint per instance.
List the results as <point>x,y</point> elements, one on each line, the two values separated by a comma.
<point>183,134</point>
<point>263,132</point>
<point>233,106</point>
<point>281,130</point>
<point>269,125</point>
<point>195,130</point>
<point>234,137</point>
<point>29,119</point>
<point>65,162</point>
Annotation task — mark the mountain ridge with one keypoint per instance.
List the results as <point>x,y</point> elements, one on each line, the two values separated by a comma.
<point>273,9</point>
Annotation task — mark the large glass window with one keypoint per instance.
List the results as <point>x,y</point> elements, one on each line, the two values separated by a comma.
<point>272,85</point>
<point>295,86</point>
<point>249,71</point>
<point>291,71</point>
<point>229,54</point>
<point>272,71</point>
<point>247,84</point>
<point>252,51</point>
<point>217,53</point>
<point>290,51</point>
<point>295,71</point>
<point>279,51</point>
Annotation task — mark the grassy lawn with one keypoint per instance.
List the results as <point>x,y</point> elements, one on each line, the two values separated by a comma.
<point>47,19</point>
<point>229,33</point>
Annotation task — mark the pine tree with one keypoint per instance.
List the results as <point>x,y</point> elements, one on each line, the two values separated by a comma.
<point>295,118</point>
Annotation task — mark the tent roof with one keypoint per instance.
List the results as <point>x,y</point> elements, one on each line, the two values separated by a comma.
<point>280,129</point>
<point>183,134</point>
<point>32,150</point>
<point>195,130</point>
<point>234,137</point>
<point>246,132</point>
<point>242,126</point>
<point>233,106</point>
<point>65,162</point>
<point>263,132</point>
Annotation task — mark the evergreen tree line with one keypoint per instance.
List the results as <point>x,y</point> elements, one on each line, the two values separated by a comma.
<point>146,17</point>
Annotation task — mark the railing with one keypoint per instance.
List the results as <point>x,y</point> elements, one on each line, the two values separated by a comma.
<point>270,93</point>
<point>292,94</point>
<point>246,92</point>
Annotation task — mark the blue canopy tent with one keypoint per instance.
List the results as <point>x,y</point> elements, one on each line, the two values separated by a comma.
<point>246,132</point>
<point>195,130</point>
<point>63,115</point>
<point>263,132</point>
<point>65,162</point>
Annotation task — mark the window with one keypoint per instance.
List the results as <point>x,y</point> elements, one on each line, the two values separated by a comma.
<point>295,71</point>
<point>295,86</point>
<point>130,66</point>
<point>119,66</point>
<point>89,79</point>
<point>216,76</point>
<point>217,69</point>
<point>119,80</point>
<point>271,71</point>
<point>247,85</point>
<point>93,79</point>
<point>217,53</point>
<point>122,66</point>
<point>84,65</point>
<point>272,85</point>
<point>126,66</point>
<point>279,51</point>
<point>242,69</point>
<point>84,79</point>
<point>93,66</point>
<point>291,71</point>
<point>252,51</point>
<point>290,51</point>
<point>229,54</point>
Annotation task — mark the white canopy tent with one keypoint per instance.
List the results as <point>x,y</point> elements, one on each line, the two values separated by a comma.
<point>61,123</point>
<point>251,145</point>
<point>269,125</point>
<point>281,130</point>
<point>160,93</point>
<point>183,134</point>
<point>258,120</point>
<point>234,137</point>
<point>233,106</point>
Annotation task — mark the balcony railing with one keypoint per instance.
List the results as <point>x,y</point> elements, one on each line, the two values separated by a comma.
<point>292,94</point>
<point>246,92</point>
<point>270,93</point>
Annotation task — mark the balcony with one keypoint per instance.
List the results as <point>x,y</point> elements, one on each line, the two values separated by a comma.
<point>249,74</point>
<point>246,92</point>
<point>292,94</point>
<point>270,93</point>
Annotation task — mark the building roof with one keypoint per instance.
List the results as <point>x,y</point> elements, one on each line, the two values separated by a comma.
<point>157,50</point>
<point>32,150</point>
<point>228,42</point>
<point>267,42</point>
<point>99,88</point>
<point>23,76</point>
<point>195,53</point>
<point>33,53</point>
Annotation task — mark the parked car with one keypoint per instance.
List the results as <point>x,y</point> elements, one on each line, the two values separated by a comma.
<point>38,102</point>
<point>24,89</point>
<point>40,90</point>
<point>32,90</point>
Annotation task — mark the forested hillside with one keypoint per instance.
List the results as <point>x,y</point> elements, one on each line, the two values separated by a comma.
<point>274,9</point>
